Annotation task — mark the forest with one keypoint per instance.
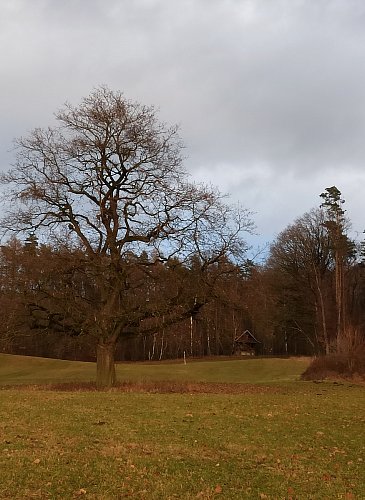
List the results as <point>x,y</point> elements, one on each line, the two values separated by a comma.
<point>288,303</point>
<point>110,253</point>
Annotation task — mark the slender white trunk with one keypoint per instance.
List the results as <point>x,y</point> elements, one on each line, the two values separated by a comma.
<point>153,346</point>
<point>162,344</point>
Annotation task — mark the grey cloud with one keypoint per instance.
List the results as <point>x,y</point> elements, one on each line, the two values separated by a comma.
<point>269,95</point>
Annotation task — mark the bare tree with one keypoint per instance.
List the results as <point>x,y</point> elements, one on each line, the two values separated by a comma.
<point>109,179</point>
<point>303,252</point>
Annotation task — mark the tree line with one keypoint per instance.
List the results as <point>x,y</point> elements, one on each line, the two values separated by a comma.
<point>109,250</point>
<point>170,308</point>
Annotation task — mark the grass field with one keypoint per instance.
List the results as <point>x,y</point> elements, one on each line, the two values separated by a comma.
<point>30,370</point>
<point>280,438</point>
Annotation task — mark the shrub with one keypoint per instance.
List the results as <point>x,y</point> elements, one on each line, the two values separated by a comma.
<point>348,364</point>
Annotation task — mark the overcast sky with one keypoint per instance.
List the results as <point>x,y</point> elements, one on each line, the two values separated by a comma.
<point>269,94</point>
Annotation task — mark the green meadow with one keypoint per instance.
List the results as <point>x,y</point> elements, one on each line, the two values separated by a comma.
<point>272,437</point>
<point>30,370</point>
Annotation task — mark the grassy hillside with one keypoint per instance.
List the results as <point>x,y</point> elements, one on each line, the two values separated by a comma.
<point>30,370</point>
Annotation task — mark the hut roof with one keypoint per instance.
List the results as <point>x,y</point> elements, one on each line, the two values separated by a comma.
<point>247,336</point>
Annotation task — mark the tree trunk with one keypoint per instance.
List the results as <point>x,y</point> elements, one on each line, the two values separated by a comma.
<point>340,301</point>
<point>105,367</point>
<point>322,310</point>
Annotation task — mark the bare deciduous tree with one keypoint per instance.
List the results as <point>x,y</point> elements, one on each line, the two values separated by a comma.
<point>109,179</point>
<point>303,252</point>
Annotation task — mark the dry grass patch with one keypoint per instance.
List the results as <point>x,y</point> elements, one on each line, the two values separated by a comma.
<point>154,387</point>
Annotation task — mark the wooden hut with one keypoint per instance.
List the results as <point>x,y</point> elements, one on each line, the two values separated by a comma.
<point>245,344</point>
